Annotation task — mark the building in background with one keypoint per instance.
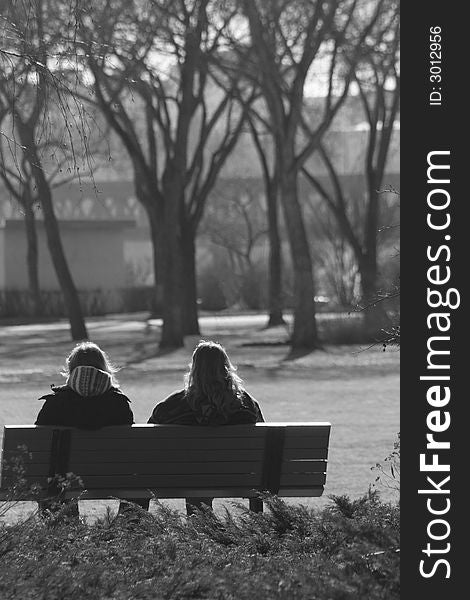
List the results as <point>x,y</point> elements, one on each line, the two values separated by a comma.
<point>105,231</point>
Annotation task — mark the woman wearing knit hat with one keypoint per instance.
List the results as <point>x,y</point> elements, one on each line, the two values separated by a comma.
<point>90,399</point>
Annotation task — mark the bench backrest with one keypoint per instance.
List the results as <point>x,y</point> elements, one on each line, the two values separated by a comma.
<point>175,461</point>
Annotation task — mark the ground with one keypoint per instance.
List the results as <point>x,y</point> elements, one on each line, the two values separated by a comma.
<point>354,387</point>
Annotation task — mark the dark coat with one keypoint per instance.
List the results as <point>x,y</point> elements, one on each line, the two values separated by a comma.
<point>66,408</point>
<point>174,410</point>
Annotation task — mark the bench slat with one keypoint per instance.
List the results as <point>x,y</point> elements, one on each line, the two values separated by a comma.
<point>305,442</point>
<point>174,456</point>
<point>13,444</point>
<point>223,443</point>
<point>162,432</point>
<point>302,479</point>
<point>127,468</point>
<point>307,453</point>
<point>228,492</point>
<point>303,466</point>
<point>160,481</point>
<point>146,445</point>
<point>191,468</point>
<point>22,434</point>
<point>167,480</point>
<point>143,456</point>
<point>19,434</point>
<point>231,492</point>
<point>158,445</point>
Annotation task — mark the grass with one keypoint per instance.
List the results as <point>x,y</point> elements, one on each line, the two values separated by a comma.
<point>353,387</point>
<point>348,550</point>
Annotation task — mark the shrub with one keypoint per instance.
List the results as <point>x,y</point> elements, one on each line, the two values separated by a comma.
<point>389,470</point>
<point>347,550</point>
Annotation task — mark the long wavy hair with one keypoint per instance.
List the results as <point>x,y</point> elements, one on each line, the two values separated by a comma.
<point>213,389</point>
<point>89,354</point>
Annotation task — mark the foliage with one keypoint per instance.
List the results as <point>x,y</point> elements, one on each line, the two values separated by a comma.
<point>348,550</point>
<point>15,470</point>
<point>389,470</point>
<point>19,303</point>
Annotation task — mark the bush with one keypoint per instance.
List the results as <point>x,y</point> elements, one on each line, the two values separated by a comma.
<point>389,470</point>
<point>348,550</point>
<point>16,303</point>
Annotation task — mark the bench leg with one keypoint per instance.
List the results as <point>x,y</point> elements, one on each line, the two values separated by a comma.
<point>126,508</point>
<point>195,504</point>
<point>142,502</point>
<point>256,505</point>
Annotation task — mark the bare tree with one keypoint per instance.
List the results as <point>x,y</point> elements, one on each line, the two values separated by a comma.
<point>270,172</point>
<point>237,224</point>
<point>333,255</point>
<point>287,38</point>
<point>18,182</point>
<point>163,58</point>
<point>378,82</point>
<point>30,38</point>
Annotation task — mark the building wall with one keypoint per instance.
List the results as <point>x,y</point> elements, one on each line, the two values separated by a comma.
<point>94,250</point>
<point>105,254</point>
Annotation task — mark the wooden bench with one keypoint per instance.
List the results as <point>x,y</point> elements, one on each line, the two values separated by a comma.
<point>173,461</point>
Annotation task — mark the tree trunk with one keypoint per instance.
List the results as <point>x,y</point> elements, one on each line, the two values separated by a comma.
<point>190,308</point>
<point>172,329</point>
<point>69,291</point>
<point>54,242</point>
<point>275,260</point>
<point>305,334</point>
<point>32,256</point>
<point>173,290</point>
<point>375,315</point>
<point>157,236</point>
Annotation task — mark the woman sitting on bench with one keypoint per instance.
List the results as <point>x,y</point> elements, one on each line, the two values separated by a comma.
<point>213,395</point>
<point>90,399</point>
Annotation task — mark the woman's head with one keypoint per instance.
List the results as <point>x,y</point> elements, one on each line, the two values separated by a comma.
<point>88,354</point>
<point>211,382</point>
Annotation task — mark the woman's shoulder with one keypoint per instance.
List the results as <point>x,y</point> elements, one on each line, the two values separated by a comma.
<point>174,398</point>
<point>116,393</point>
<point>248,400</point>
<point>251,405</point>
<point>58,393</point>
<point>170,408</point>
<point>173,402</point>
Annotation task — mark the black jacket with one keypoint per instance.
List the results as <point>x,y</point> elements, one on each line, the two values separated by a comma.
<point>174,410</point>
<point>64,407</point>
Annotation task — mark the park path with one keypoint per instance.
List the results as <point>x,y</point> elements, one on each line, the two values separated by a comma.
<point>38,349</point>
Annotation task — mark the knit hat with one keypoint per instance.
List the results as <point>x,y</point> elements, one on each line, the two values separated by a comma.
<point>89,381</point>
